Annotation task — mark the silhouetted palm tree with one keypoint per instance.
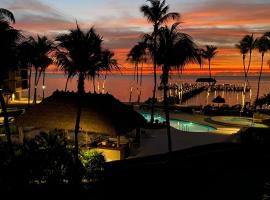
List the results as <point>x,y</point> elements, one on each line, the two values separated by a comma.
<point>8,60</point>
<point>78,54</point>
<point>208,54</point>
<point>248,42</point>
<point>157,14</point>
<point>138,55</point>
<point>263,45</point>
<point>243,50</point>
<point>108,63</point>
<point>41,47</point>
<point>6,15</point>
<point>246,45</point>
<point>175,50</point>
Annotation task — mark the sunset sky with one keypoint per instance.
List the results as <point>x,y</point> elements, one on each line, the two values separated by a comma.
<point>213,22</point>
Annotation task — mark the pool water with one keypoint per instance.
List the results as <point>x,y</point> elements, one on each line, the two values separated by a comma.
<point>181,125</point>
<point>190,126</point>
<point>157,117</point>
<point>238,121</point>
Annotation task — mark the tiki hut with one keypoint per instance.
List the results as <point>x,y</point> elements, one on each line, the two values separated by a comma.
<point>101,114</point>
<point>218,100</point>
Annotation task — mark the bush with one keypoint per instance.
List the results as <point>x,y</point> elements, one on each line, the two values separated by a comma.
<point>93,162</point>
<point>42,160</point>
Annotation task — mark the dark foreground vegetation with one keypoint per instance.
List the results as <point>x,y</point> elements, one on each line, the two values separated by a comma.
<point>216,171</point>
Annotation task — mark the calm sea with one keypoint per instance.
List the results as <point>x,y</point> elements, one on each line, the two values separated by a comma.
<point>121,86</point>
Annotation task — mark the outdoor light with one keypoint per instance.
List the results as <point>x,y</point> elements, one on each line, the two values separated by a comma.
<point>43,87</point>
<point>13,96</point>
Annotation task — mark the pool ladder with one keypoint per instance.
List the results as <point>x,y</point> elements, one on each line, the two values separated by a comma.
<point>183,127</point>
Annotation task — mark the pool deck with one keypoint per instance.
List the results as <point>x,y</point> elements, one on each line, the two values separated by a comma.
<point>154,141</point>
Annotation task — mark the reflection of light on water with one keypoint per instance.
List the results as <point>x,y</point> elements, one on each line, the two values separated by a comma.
<point>181,125</point>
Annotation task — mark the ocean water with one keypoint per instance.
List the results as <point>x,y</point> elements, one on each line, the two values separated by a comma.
<point>124,87</point>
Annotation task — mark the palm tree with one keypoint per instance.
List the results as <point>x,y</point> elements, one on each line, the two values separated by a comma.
<point>138,55</point>
<point>175,50</point>
<point>157,14</point>
<point>208,54</point>
<point>78,54</point>
<point>8,60</point>
<point>243,50</point>
<point>108,63</point>
<point>42,47</point>
<point>6,15</point>
<point>104,62</point>
<point>263,45</point>
<point>250,43</point>
<point>246,45</point>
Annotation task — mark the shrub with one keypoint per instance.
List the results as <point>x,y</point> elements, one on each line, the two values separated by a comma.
<point>93,162</point>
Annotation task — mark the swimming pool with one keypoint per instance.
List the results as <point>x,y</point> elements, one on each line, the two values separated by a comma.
<point>181,125</point>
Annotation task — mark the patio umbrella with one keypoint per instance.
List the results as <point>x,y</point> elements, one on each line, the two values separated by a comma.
<point>218,100</point>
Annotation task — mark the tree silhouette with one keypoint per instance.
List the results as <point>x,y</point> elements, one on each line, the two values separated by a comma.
<point>208,54</point>
<point>157,14</point>
<point>175,50</point>
<point>8,59</point>
<point>137,55</point>
<point>263,45</point>
<point>246,45</point>
<point>80,53</point>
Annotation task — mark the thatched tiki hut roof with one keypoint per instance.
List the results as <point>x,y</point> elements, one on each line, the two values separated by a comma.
<point>218,99</point>
<point>101,114</point>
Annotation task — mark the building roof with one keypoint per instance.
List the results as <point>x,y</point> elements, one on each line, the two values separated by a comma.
<point>101,113</point>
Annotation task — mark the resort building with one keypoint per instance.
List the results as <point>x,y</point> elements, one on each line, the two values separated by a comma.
<point>15,82</point>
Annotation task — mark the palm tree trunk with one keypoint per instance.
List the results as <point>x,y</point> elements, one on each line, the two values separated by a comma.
<point>66,84</point>
<point>155,74</point>
<point>35,85</point>
<point>140,93</point>
<point>134,74</point>
<point>43,85</point>
<point>6,124</point>
<point>165,77</point>
<point>259,82</point>
<point>94,85</point>
<point>249,61</point>
<point>209,61</point>
<point>245,86</point>
<point>137,73</point>
<point>29,86</point>
<point>103,84</point>
<point>78,117</point>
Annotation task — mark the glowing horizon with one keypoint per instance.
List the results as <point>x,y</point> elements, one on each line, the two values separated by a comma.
<point>120,22</point>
